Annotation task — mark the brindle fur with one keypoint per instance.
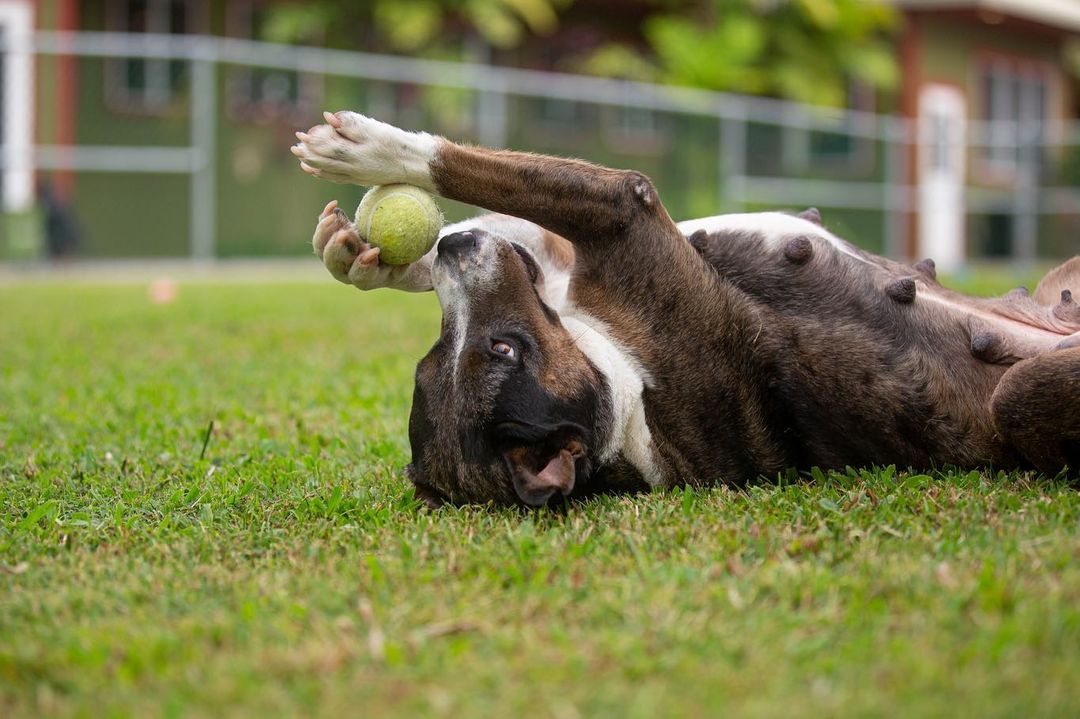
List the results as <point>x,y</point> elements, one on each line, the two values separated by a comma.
<point>759,356</point>
<point>760,363</point>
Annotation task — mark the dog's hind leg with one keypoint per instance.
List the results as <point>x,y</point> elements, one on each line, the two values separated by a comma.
<point>1036,409</point>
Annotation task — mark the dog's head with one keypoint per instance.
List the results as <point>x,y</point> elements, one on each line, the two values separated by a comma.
<point>506,407</point>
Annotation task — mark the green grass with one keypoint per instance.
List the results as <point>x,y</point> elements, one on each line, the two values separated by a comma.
<point>287,569</point>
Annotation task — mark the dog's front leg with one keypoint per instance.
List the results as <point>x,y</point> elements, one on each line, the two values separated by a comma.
<point>592,206</point>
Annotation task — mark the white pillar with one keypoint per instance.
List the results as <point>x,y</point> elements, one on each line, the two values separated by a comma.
<point>17,86</point>
<point>942,175</point>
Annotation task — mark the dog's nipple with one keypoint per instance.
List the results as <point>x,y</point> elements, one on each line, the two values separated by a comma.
<point>926,267</point>
<point>902,290</point>
<point>987,346</point>
<point>799,250</point>
<point>1067,310</point>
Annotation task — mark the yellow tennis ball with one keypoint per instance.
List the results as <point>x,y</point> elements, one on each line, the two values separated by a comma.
<point>403,221</point>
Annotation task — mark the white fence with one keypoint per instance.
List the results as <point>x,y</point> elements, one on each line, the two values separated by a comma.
<point>749,152</point>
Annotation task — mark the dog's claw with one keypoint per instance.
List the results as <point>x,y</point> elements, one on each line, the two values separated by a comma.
<point>370,257</point>
<point>331,119</point>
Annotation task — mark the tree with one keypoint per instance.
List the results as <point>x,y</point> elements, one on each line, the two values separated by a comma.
<point>806,50</point>
<point>415,26</point>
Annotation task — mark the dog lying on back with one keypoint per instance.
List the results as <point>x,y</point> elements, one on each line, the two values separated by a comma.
<point>591,344</point>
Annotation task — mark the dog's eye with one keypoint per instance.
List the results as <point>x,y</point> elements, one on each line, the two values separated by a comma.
<point>504,349</point>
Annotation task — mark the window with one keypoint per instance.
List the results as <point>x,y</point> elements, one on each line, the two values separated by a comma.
<point>147,85</point>
<point>637,130</point>
<point>844,149</point>
<point>562,114</point>
<point>1014,103</point>
<point>262,94</point>
<point>562,124</point>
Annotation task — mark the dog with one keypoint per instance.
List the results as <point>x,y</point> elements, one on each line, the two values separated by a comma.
<point>590,344</point>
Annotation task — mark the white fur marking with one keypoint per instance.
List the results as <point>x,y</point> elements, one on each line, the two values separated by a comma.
<point>453,288</point>
<point>370,152</point>
<point>775,226</point>
<point>627,379</point>
<point>556,283</point>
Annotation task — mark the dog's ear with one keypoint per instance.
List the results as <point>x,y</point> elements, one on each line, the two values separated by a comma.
<point>812,214</point>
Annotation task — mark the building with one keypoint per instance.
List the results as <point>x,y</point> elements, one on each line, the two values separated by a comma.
<point>985,79</point>
<point>987,82</point>
<point>107,105</point>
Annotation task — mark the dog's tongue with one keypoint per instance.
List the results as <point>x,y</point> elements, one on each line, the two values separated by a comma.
<point>556,476</point>
<point>559,472</point>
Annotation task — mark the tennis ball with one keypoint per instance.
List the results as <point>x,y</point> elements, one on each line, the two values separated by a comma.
<point>403,221</point>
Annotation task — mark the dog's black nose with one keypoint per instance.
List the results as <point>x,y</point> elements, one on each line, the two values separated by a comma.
<point>457,244</point>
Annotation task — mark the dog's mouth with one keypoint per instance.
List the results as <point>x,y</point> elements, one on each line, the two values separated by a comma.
<point>543,459</point>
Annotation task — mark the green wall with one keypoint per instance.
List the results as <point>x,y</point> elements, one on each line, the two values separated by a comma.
<point>266,206</point>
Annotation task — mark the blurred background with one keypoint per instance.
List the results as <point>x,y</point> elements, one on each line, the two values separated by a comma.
<point>136,129</point>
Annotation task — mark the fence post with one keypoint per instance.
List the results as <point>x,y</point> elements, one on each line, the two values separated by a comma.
<point>492,120</point>
<point>203,219</point>
<point>1026,200</point>
<point>897,196</point>
<point>733,159</point>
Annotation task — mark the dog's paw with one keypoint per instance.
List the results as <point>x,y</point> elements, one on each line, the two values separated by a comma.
<point>352,148</point>
<point>339,246</point>
<point>354,262</point>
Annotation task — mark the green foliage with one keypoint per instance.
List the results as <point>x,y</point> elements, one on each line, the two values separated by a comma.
<point>277,563</point>
<point>415,26</point>
<point>806,50</point>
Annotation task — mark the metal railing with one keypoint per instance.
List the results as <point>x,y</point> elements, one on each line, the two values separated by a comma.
<point>880,188</point>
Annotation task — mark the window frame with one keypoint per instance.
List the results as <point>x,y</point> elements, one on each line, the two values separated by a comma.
<point>859,160</point>
<point>623,137</point>
<point>118,93</point>
<point>990,163</point>
<point>240,104</point>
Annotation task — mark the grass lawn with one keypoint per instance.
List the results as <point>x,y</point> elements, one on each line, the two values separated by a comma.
<point>284,567</point>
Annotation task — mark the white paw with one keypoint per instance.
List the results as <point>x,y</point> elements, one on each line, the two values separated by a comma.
<point>354,262</point>
<point>356,149</point>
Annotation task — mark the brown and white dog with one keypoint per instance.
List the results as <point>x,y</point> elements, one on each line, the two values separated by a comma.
<point>590,344</point>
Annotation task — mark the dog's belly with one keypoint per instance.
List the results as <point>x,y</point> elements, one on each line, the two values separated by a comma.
<point>873,362</point>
